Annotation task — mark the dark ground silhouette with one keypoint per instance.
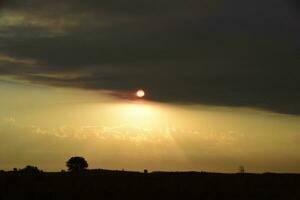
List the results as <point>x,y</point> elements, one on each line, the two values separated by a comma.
<point>106,184</point>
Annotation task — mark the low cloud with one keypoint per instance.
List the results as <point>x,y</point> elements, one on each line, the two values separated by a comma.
<point>9,120</point>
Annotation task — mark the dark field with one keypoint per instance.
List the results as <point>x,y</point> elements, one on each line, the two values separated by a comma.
<point>102,184</point>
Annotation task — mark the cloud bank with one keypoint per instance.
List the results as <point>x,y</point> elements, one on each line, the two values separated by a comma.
<point>213,52</point>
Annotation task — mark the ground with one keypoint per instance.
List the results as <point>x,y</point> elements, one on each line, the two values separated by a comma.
<point>105,184</point>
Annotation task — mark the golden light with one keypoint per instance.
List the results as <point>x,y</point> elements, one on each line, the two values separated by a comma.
<point>143,115</point>
<point>140,93</point>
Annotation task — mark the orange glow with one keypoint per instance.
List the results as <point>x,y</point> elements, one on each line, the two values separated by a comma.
<point>140,93</point>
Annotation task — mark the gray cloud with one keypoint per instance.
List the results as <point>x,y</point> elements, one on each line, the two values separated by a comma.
<point>229,53</point>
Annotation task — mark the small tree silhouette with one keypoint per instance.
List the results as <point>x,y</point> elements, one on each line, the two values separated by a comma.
<point>30,169</point>
<point>76,164</point>
<point>241,169</point>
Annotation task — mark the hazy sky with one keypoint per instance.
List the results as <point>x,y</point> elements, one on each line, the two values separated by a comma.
<point>221,78</point>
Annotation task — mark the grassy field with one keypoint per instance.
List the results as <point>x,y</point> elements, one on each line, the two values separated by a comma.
<point>105,184</point>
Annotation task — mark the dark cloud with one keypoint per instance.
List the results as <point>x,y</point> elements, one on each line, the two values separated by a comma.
<point>233,53</point>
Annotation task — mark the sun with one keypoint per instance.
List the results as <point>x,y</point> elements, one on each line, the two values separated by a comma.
<point>140,93</point>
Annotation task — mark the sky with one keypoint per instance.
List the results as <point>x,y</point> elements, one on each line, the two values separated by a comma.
<point>221,80</point>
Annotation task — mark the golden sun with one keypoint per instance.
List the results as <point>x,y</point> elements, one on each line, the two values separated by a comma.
<point>140,93</point>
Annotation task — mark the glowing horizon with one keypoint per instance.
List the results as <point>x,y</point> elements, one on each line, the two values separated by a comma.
<point>48,125</point>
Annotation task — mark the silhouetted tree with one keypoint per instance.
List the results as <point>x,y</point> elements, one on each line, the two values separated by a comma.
<point>77,164</point>
<point>241,169</point>
<point>30,169</point>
